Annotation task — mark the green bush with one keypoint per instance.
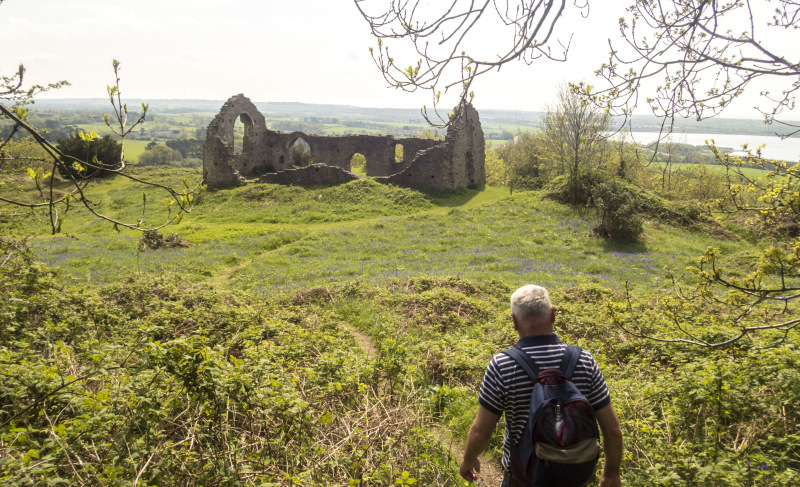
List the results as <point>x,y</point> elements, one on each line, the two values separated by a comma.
<point>104,152</point>
<point>566,190</point>
<point>617,211</point>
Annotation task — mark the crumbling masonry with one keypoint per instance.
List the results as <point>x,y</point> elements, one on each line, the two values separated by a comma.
<point>266,156</point>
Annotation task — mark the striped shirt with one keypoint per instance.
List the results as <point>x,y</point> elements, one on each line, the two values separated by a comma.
<point>506,388</point>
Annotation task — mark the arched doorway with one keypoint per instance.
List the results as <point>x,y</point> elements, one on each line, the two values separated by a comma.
<point>300,153</point>
<point>358,164</point>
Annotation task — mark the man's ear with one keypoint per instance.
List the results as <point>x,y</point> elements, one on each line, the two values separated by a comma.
<point>516,321</point>
<point>552,314</point>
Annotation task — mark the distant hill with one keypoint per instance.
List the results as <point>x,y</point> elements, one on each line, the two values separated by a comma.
<point>638,123</point>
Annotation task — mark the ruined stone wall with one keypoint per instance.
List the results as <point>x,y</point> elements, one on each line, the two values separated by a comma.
<point>426,171</point>
<point>427,163</point>
<point>465,135</point>
<point>458,162</point>
<point>338,150</point>
<point>221,166</point>
<point>313,175</point>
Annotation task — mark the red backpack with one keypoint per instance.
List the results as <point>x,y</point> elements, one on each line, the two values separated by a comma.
<point>560,444</point>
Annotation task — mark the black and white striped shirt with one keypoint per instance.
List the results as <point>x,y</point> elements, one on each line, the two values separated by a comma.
<point>506,388</point>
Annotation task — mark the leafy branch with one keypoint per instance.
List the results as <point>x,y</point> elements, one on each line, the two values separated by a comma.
<point>721,310</point>
<point>58,206</point>
<point>697,57</point>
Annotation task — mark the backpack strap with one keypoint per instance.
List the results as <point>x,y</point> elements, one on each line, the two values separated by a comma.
<point>524,361</point>
<point>571,357</point>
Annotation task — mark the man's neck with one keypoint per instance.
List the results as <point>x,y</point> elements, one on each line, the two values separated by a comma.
<point>536,331</point>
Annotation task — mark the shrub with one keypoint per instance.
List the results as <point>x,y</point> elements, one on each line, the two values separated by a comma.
<point>154,240</point>
<point>103,152</point>
<point>564,190</point>
<point>617,211</point>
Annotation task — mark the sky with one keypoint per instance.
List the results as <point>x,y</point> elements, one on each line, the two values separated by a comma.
<point>311,51</point>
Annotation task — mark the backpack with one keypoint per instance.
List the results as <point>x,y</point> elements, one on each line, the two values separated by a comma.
<point>560,444</point>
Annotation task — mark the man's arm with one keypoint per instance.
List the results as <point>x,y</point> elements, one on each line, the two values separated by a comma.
<point>479,435</point>
<point>612,446</point>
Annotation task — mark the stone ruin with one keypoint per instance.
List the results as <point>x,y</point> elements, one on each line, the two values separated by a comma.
<point>266,155</point>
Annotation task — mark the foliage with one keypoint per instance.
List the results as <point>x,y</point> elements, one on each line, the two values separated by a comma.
<point>702,55</point>
<point>159,155</point>
<point>153,382</point>
<point>525,165</point>
<point>165,359</point>
<point>300,154</point>
<point>20,154</point>
<point>574,138</point>
<point>187,147</point>
<point>772,195</point>
<point>494,167</point>
<point>617,211</point>
<point>358,161</point>
<point>724,308</point>
<point>58,199</point>
<point>104,153</point>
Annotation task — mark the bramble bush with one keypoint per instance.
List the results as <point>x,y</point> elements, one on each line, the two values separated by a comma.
<point>153,382</point>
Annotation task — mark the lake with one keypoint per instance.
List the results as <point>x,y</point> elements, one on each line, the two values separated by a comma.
<point>785,150</point>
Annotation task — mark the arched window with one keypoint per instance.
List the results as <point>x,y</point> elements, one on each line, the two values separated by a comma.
<point>399,155</point>
<point>242,134</point>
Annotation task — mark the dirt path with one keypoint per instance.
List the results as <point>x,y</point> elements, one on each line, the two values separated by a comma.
<point>491,474</point>
<point>364,342</point>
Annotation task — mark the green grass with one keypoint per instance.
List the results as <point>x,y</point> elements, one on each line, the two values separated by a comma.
<point>134,149</point>
<point>282,287</point>
<point>269,237</point>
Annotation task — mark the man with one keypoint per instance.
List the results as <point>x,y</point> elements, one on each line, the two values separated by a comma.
<point>506,388</point>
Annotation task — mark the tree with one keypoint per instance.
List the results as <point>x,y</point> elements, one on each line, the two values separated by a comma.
<point>58,201</point>
<point>159,155</point>
<point>447,39</point>
<point>187,147</point>
<point>104,153</point>
<point>524,168</point>
<point>701,55</point>
<point>692,57</point>
<point>575,133</point>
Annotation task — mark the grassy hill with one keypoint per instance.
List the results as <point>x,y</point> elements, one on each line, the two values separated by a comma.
<point>337,336</point>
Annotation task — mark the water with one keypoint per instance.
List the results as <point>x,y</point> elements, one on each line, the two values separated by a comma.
<point>784,150</point>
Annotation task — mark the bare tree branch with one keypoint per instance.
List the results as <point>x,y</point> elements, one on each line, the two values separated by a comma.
<point>443,36</point>
<point>700,59</point>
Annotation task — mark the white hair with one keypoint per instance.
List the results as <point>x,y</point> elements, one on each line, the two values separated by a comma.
<point>530,301</point>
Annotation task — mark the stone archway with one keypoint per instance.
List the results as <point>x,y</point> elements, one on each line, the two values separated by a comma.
<point>300,152</point>
<point>222,166</point>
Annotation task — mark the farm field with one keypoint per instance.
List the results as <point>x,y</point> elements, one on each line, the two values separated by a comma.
<point>338,335</point>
